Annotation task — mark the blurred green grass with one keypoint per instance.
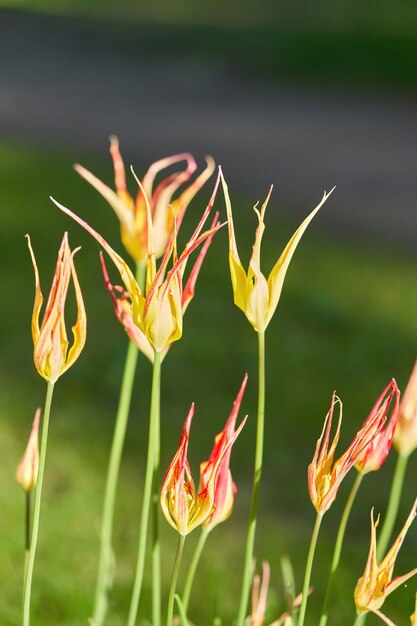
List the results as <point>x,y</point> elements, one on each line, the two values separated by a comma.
<point>346,321</point>
<point>371,45</point>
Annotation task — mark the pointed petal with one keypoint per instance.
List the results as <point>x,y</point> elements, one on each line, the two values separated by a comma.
<point>79,330</point>
<point>277,275</point>
<point>237,273</point>
<point>125,272</point>
<point>119,171</point>
<point>398,581</point>
<point>189,289</point>
<point>232,238</point>
<point>122,208</point>
<point>181,203</point>
<point>374,454</point>
<point>389,561</point>
<point>176,270</point>
<point>255,262</point>
<point>38,295</point>
<point>123,312</point>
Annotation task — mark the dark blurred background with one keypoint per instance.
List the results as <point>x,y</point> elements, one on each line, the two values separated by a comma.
<point>299,94</point>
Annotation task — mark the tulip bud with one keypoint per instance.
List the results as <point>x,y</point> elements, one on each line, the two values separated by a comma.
<point>27,470</point>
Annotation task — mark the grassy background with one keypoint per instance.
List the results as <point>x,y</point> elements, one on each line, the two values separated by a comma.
<point>346,321</point>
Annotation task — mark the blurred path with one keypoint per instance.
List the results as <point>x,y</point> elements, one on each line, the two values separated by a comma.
<point>69,83</point>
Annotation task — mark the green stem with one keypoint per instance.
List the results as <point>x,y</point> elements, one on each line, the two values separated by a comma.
<point>360,619</point>
<point>147,492</point>
<point>174,579</point>
<point>106,558</point>
<point>338,548</point>
<point>27,537</point>
<point>393,505</point>
<point>27,520</point>
<point>156,545</point>
<point>193,567</point>
<point>37,508</point>
<point>309,567</point>
<point>250,539</point>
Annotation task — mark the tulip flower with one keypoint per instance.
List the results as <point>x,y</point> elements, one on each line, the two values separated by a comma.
<point>27,470</point>
<point>375,453</point>
<point>52,354</point>
<point>405,436</point>
<point>159,311</point>
<point>132,212</point>
<point>255,295</point>
<point>183,506</point>
<point>225,488</point>
<point>377,583</point>
<point>324,474</point>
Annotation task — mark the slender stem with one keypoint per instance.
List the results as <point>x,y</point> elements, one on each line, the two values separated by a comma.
<point>250,539</point>
<point>174,579</point>
<point>193,567</point>
<point>27,520</point>
<point>309,566</point>
<point>156,545</point>
<point>27,537</point>
<point>147,493</point>
<point>37,508</point>
<point>360,619</point>
<point>393,505</point>
<point>106,558</point>
<point>338,548</point>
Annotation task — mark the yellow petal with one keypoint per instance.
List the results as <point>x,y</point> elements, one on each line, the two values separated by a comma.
<point>79,330</point>
<point>237,272</point>
<point>38,295</point>
<point>122,208</point>
<point>125,272</point>
<point>277,275</point>
<point>388,562</point>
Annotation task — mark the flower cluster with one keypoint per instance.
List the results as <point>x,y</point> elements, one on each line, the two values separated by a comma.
<point>150,304</point>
